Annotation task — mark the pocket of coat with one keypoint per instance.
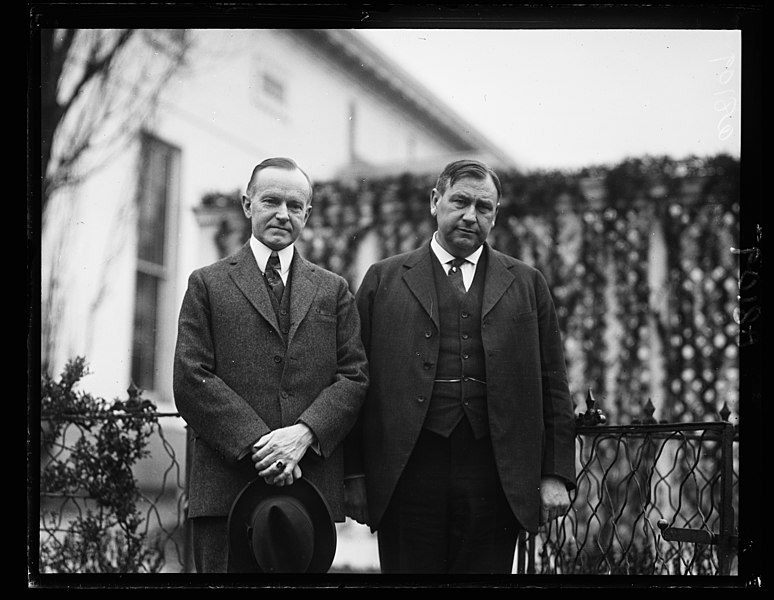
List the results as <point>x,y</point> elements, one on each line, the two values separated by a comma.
<point>524,317</point>
<point>318,315</point>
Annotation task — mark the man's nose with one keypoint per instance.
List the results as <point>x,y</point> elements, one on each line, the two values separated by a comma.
<point>282,211</point>
<point>470,213</point>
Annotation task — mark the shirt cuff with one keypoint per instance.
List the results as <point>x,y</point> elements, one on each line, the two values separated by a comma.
<point>315,445</point>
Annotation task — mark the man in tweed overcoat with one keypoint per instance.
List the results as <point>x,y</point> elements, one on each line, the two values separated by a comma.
<point>269,385</point>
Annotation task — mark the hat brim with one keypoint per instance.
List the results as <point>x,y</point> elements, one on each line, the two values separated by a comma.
<point>241,557</point>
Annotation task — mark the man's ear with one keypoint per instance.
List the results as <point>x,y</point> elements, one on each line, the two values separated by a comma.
<point>434,198</point>
<point>246,203</point>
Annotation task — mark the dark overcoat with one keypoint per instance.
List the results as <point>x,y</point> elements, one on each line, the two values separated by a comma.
<point>531,416</point>
<point>235,380</point>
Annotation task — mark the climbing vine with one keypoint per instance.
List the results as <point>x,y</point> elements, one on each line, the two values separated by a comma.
<point>633,327</point>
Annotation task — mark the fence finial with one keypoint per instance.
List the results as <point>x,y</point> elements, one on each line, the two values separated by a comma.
<point>648,418</point>
<point>133,391</point>
<point>592,416</point>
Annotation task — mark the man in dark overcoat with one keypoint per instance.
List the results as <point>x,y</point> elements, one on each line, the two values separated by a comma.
<point>467,433</point>
<point>270,370</point>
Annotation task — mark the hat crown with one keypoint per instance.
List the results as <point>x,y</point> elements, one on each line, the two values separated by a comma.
<point>282,535</point>
<point>280,529</point>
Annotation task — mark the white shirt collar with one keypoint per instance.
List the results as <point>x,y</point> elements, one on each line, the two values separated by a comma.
<point>262,253</point>
<point>445,256</point>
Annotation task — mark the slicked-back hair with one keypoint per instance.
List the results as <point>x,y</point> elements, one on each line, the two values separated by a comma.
<point>458,169</point>
<point>279,162</point>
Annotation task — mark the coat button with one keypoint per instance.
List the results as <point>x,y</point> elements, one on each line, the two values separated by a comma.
<point>465,314</point>
<point>277,359</point>
<point>420,399</point>
<point>283,395</point>
<point>428,333</point>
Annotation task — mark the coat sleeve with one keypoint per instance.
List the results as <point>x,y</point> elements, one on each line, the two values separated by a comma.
<point>334,411</point>
<point>558,411</point>
<point>216,413</point>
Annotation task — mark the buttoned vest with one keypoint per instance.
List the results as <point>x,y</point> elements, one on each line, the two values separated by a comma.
<point>459,391</point>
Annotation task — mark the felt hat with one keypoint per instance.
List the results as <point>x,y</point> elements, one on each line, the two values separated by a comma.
<point>281,529</point>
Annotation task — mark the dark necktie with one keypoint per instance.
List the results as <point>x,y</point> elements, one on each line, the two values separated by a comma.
<point>455,274</point>
<point>273,276</point>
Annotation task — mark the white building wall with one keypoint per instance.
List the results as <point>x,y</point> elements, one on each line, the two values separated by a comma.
<point>92,251</point>
<point>218,115</point>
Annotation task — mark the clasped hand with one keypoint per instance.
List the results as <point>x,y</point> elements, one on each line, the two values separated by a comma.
<point>277,454</point>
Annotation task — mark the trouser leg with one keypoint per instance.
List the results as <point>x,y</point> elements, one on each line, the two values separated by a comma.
<point>413,534</point>
<point>210,544</point>
<point>483,530</point>
<point>448,513</point>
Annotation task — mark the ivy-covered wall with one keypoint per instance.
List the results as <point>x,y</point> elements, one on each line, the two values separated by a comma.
<point>637,256</point>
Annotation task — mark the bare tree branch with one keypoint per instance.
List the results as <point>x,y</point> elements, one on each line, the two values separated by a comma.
<point>98,85</point>
<point>98,88</point>
<point>98,67</point>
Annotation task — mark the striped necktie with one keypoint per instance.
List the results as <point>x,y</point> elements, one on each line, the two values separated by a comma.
<point>455,274</point>
<point>273,276</point>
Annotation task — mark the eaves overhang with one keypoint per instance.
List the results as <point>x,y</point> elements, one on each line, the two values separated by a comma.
<point>377,71</point>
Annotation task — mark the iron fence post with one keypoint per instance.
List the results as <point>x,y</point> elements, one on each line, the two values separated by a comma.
<point>188,561</point>
<point>522,548</point>
<point>726,537</point>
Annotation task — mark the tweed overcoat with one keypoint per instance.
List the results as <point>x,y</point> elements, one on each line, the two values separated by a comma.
<point>531,416</point>
<point>235,379</point>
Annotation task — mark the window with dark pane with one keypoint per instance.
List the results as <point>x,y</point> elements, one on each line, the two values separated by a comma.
<point>157,168</point>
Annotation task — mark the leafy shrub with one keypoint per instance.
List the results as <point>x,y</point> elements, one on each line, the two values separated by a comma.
<point>92,471</point>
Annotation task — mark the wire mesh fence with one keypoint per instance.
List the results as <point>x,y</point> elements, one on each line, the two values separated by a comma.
<point>650,499</point>
<point>112,484</point>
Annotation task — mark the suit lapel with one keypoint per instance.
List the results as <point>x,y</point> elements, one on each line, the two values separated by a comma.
<point>249,279</point>
<point>419,279</point>
<point>303,288</point>
<point>498,279</point>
